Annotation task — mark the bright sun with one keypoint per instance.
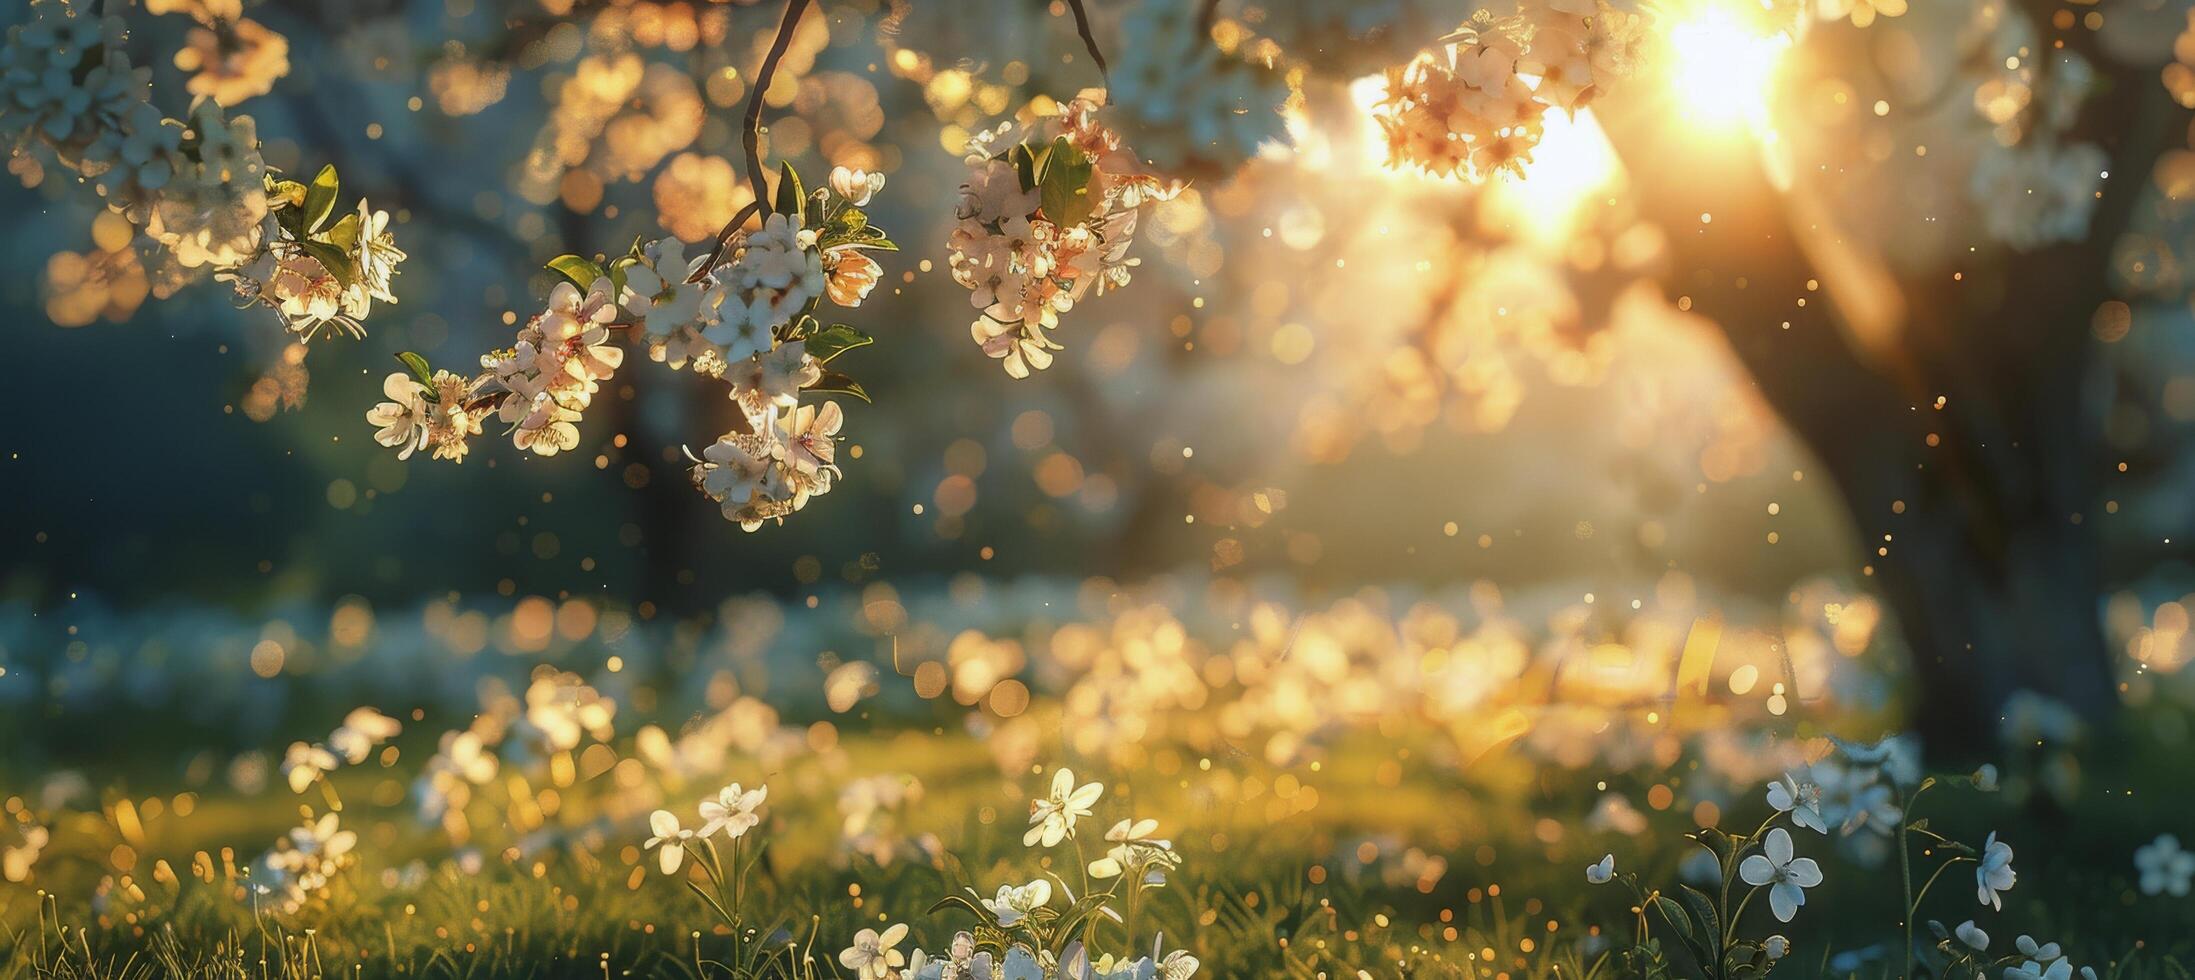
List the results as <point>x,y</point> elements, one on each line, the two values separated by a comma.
<point>1722,68</point>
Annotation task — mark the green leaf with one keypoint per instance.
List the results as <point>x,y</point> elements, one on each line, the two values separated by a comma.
<point>419,369</point>
<point>869,237</point>
<point>337,261</point>
<point>320,199</point>
<point>1029,163</point>
<point>952,900</point>
<point>344,234</point>
<point>617,273</point>
<point>292,221</point>
<point>582,271</point>
<point>1703,910</point>
<point>790,195</point>
<point>834,340</point>
<point>847,227</point>
<point>833,381</point>
<point>1065,190</point>
<point>1670,910</point>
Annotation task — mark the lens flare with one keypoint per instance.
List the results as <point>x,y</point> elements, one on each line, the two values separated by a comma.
<point>1722,69</point>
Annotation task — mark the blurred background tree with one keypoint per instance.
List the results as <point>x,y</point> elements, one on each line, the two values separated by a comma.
<point>1328,372</point>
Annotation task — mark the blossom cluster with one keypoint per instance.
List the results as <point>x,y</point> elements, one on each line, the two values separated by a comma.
<point>1021,933</point>
<point>1047,214</point>
<point>230,57</point>
<point>1860,785</point>
<point>75,99</point>
<point>2032,184</point>
<point>314,269</point>
<point>197,188</point>
<point>1465,107</point>
<point>744,314</point>
<point>1195,110</point>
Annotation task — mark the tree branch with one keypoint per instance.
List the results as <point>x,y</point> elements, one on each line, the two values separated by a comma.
<point>1082,27</point>
<point>751,137</point>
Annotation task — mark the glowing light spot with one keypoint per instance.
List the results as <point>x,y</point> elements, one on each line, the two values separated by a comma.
<point>1723,69</point>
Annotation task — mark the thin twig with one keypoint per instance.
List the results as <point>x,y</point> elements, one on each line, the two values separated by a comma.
<point>751,138</point>
<point>724,239</point>
<point>1082,27</point>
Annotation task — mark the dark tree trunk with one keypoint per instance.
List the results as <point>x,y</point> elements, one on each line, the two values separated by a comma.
<point>1966,439</point>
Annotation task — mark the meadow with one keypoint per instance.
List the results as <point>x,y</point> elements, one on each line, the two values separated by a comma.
<point>1386,785</point>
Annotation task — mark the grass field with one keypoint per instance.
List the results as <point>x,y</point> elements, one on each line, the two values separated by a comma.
<point>1364,789</point>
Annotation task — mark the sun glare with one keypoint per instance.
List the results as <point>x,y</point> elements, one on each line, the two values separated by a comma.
<point>1722,68</point>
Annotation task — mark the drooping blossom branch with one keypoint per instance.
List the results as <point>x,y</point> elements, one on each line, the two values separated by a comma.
<point>747,314</point>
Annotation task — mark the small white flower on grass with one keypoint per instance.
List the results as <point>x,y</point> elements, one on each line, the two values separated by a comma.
<point>1052,819</point>
<point>1972,935</point>
<point>1602,871</point>
<point>1135,848</point>
<point>872,957</point>
<point>1994,874</point>
<point>731,811</point>
<point>669,840</point>
<point>1786,876</point>
<point>2165,866</point>
<point>1802,799</point>
<point>304,763</point>
<point>1015,903</point>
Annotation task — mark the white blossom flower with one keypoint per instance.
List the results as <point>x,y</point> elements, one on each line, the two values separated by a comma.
<point>993,193</point>
<point>1993,874</point>
<point>657,290</point>
<point>849,275</point>
<point>1972,936</point>
<point>732,811</point>
<point>1985,778</point>
<point>1022,345</point>
<point>1602,871</point>
<point>304,764</point>
<point>1801,799</point>
<point>1014,903</point>
<point>2060,969</point>
<point>304,291</point>
<point>2033,950</point>
<point>773,378</point>
<point>2165,867</point>
<point>1135,848</point>
<point>375,253</point>
<point>807,432</point>
<point>1776,948</point>
<point>1786,877</point>
<point>668,840</point>
<point>1052,819</point>
<point>403,419</point>
<point>361,730</point>
<point>855,185</point>
<point>872,957</point>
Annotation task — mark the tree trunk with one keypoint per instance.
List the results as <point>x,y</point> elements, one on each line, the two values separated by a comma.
<point>1965,438</point>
